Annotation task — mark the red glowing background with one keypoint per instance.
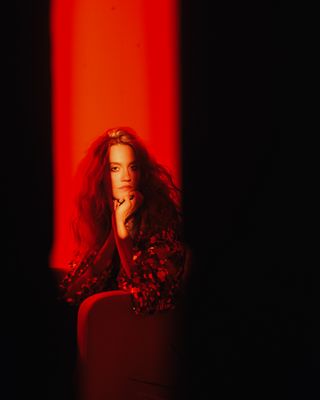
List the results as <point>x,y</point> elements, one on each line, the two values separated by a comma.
<point>113,63</point>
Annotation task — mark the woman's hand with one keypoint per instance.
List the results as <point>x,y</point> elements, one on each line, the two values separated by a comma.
<point>123,209</point>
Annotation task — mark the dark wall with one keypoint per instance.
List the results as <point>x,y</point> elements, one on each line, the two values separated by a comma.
<point>32,353</point>
<point>249,324</point>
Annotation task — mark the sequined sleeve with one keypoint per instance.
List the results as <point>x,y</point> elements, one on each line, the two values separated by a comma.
<point>156,274</point>
<point>79,276</point>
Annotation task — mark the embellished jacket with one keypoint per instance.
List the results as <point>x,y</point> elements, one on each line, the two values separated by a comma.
<point>156,274</point>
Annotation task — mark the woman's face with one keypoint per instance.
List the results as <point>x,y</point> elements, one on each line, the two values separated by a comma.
<point>124,170</point>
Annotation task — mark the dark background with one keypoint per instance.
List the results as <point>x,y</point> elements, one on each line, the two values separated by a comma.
<point>250,326</point>
<point>247,79</point>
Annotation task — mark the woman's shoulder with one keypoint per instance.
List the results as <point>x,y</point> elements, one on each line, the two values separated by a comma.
<point>158,234</point>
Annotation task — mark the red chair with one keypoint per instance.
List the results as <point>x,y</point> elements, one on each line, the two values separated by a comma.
<point>124,356</point>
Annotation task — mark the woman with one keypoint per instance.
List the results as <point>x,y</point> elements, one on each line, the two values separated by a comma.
<point>128,226</point>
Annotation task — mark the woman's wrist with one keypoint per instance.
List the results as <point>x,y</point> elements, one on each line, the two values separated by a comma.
<point>120,227</point>
<point>122,230</point>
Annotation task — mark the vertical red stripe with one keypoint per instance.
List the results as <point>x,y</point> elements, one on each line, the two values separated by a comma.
<point>113,63</point>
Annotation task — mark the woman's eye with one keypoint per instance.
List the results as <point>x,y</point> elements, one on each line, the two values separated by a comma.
<point>134,167</point>
<point>114,169</point>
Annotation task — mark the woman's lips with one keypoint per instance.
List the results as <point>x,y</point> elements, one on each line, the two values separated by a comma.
<point>126,187</point>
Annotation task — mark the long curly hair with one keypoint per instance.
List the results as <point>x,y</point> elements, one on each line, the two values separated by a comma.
<point>161,207</point>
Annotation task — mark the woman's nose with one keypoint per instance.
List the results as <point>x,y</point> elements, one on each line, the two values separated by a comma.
<point>126,175</point>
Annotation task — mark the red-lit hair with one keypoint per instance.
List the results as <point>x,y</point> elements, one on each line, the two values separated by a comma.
<point>92,220</point>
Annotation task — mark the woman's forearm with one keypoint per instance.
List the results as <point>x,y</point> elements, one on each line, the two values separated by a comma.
<point>104,256</point>
<point>95,261</point>
<point>123,242</point>
<point>125,250</point>
<point>87,269</point>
